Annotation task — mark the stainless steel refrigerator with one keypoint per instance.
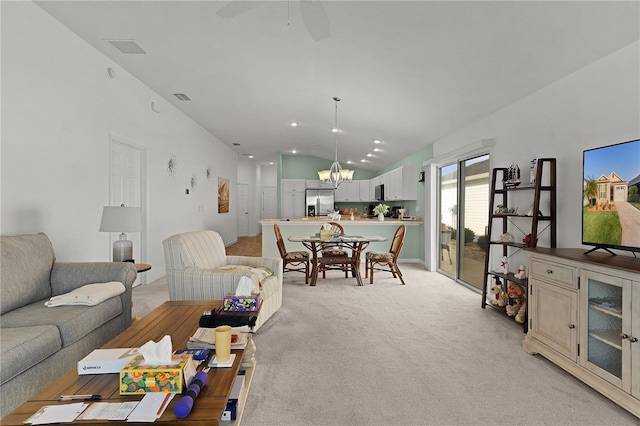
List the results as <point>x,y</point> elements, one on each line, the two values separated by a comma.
<point>319,202</point>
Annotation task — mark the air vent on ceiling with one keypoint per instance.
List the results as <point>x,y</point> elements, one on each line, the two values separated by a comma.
<point>182,97</point>
<point>236,144</point>
<point>127,47</point>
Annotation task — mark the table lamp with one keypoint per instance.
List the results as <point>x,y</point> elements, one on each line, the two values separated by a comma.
<point>121,219</point>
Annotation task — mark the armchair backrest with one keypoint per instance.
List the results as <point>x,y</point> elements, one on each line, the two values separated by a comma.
<point>197,249</point>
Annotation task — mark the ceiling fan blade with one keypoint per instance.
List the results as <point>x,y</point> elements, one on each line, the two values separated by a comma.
<point>237,7</point>
<point>315,18</point>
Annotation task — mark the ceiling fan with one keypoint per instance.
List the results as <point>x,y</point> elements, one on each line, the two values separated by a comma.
<point>313,15</point>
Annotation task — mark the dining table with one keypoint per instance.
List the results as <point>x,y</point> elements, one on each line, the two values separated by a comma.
<point>356,244</point>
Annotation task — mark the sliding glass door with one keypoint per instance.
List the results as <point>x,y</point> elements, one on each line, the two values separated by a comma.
<point>463,207</point>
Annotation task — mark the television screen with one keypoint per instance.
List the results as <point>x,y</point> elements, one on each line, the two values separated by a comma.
<point>611,196</point>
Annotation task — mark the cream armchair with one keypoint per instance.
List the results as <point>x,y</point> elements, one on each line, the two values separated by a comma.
<point>199,269</point>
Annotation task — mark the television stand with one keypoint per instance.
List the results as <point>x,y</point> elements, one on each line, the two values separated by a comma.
<point>603,248</point>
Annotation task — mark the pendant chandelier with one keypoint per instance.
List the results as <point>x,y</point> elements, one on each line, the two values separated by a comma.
<point>336,174</point>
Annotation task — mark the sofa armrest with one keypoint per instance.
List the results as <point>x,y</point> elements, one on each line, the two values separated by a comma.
<point>274,264</point>
<point>67,276</point>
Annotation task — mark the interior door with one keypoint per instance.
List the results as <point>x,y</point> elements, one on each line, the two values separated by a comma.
<point>269,202</point>
<point>243,209</point>
<point>127,186</point>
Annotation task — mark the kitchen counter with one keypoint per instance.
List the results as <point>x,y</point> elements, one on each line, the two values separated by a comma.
<point>411,251</point>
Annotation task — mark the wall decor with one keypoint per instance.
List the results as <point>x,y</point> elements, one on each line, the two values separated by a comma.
<point>172,165</point>
<point>209,173</point>
<point>194,182</point>
<point>223,195</point>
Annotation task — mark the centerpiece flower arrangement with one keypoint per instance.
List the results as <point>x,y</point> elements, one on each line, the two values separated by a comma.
<point>380,210</point>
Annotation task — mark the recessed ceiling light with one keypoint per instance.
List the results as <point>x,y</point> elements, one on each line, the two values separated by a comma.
<point>271,163</point>
<point>293,151</point>
<point>294,124</point>
<point>363,161</point>
<point>376,149</point>
<point>377,141</point>
<point>334,130</point>
<point>349,162</point>
<point>369,155</point>
<point>250,156</point>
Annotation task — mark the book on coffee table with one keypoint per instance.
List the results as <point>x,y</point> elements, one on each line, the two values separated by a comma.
<point>205,338</point>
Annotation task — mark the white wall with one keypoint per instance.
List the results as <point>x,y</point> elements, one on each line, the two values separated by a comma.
<point>58,109</point>
<point>595,106</point>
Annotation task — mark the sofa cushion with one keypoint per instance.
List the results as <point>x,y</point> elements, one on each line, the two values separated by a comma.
<point>26,267</point>
<point>23,347</point>
<point>73,322</point>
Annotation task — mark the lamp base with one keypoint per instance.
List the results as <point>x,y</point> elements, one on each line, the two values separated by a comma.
<point>123,249</point>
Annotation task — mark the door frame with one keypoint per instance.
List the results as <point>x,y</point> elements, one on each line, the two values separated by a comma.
<point>432,216</point>
<point>143,150</point>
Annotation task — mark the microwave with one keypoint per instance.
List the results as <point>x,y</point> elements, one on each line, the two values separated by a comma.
<point>379,192</point>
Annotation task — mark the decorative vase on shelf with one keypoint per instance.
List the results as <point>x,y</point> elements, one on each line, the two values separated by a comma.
<point>381,216</point>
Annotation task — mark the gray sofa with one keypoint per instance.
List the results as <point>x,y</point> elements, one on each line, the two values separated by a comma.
<point>39,343</point>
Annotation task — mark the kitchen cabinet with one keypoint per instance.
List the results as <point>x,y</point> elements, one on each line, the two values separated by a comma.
<point>293,198</point>
<point>585,317</point>
<point>399,184</point>
<point>348,191</point>
<point>365,193</point>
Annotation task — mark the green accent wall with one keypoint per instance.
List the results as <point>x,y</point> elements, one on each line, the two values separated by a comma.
<point>307,166</point>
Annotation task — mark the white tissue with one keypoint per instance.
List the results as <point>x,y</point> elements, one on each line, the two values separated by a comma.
<point>157,353</point>
<point>245,287</point>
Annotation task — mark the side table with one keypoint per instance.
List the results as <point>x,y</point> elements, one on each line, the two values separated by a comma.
<point>142,267</point>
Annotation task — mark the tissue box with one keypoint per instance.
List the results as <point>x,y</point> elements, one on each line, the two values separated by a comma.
<point>233,303</point>
<point>136,378</point>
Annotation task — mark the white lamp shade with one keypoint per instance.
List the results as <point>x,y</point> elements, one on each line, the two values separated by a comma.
<point>346,174</point>
<point>323,175</point>
<point>121,219</point>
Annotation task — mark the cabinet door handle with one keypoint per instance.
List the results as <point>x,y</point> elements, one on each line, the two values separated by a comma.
<point>624,336</point>
<point>572,326</point>
<point>633,339</point>
<point>549,271</point>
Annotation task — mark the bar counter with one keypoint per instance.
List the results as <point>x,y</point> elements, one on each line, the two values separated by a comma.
<point>412,251</point>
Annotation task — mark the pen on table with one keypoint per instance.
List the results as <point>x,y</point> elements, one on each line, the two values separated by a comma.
<point>94,397</point>
<point>164,402</point>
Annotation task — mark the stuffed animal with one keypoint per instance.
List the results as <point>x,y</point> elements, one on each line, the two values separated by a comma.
<point>516,299</point>
<point>496,291</point>
<point>522,312</point>
<point>504,265</point>
<point>521,273</point>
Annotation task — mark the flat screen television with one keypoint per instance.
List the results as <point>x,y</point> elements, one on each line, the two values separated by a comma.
<point>611,197</point>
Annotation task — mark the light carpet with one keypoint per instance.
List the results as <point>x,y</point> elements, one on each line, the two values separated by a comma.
<point>387,354</point>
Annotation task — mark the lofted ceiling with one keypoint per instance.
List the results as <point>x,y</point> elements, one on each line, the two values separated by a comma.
<point>408,72</point>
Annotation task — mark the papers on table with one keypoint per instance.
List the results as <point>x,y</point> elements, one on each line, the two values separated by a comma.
<point>205,338</point>
<point>151,407</point>
<point>57,414</point>
<point>108,411</point>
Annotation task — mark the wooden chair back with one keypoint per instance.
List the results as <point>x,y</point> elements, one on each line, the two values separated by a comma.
<point>336,227</point>
<point>279,241</point>
<point>398,241</point>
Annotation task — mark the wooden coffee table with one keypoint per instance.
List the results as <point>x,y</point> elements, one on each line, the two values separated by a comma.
<point>179,319</point>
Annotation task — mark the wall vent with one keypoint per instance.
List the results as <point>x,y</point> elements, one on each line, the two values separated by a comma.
<point>236,144</point>
<point>182,97</point>
<point>127,47</point>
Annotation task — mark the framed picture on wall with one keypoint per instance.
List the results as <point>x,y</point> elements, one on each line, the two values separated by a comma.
<point>223,195</point>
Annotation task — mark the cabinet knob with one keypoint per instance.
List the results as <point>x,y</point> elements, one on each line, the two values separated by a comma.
<point>624,336</point>
<point>572,326</point>
<point>549,271</point>
<point>633,339</point>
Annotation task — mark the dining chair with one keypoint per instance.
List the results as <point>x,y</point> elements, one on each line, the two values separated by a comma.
<point>293,261</point>
<point>386,261</point>
<point>332,253</point>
